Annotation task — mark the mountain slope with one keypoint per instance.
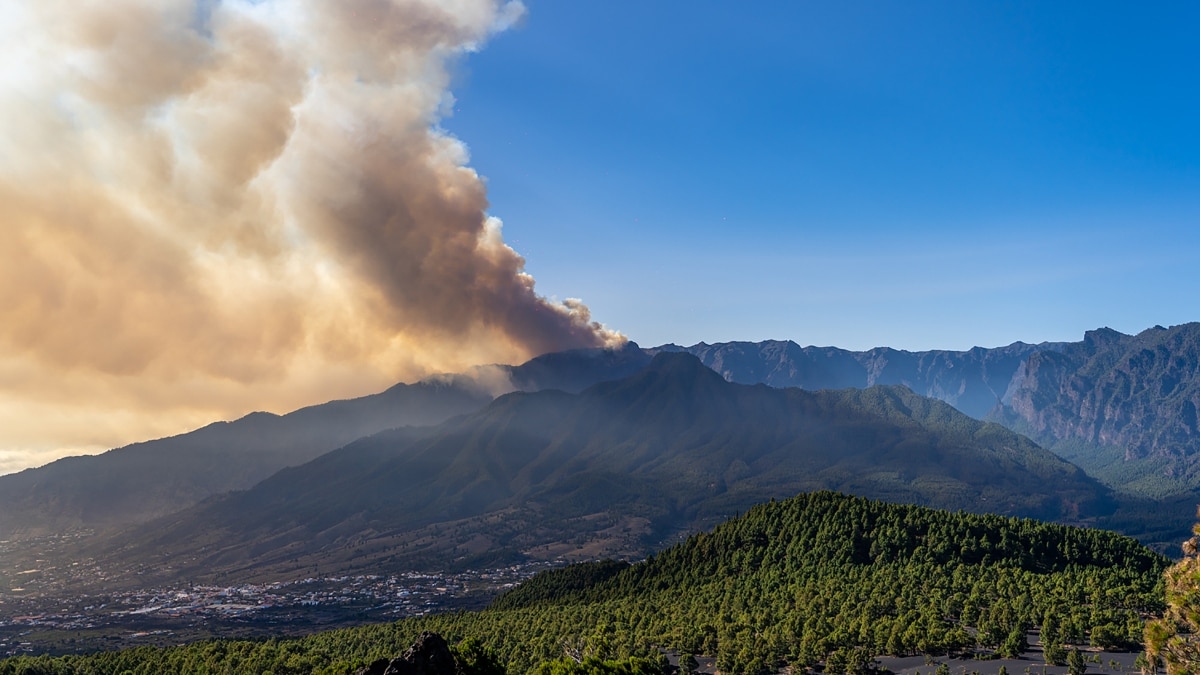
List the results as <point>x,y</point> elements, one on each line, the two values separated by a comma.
<point>1123,406</point>
<point>142,481</point>
<point>973,381</point>
<point>615,469</point>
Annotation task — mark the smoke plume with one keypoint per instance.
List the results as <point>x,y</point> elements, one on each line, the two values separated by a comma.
<point>217,206</point>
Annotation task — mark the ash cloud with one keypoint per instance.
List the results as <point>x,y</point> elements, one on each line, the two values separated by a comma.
<point>212,207</point>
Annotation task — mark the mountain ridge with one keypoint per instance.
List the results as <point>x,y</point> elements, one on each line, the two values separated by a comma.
<point>617,467</point>
<point>1157,455</point>
<point>974,381</point>
<point>138,482</point>
<point>1125,406</point>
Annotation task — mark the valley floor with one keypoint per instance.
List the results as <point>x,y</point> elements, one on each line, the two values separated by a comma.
<point>38,623</point>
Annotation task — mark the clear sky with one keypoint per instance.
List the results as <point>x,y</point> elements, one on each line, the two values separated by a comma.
<point>913,174</point>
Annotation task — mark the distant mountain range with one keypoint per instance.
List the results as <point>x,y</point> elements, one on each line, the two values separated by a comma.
<point>974,381</point>
<point>142,481</point>
<point>615,470</point>
<point>1122,407</point>
<point>145,480</point>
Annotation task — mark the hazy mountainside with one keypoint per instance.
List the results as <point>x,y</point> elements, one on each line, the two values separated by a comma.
<point>613,470</point>
<point>818,580</point>
<point>145,480</point>
<point>575,370</point>
<point>138,482</point>
<point>1122,406</point>
<point>973,381</point>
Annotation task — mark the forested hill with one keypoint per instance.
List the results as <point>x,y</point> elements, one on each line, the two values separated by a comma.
<point>821,578</point>
<point>833,579</point>
<point>803,536</point>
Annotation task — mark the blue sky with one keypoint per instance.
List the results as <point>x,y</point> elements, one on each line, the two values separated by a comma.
<point>918,175</point>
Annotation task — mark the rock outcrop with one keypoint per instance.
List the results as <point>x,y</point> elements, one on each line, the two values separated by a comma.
<point>1124,407</point>
<point>1136,394</point>
<point>429,655</point>
<point>973,381</point>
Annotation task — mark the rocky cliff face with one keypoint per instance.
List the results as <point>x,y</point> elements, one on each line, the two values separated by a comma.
<point>1136,392</point>
<point>973,381</point>
<point>429,655</point>
<point>1122,406</point>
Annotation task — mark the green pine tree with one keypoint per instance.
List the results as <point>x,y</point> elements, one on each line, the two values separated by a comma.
<point>1175,638</point>
<point>1075,663</point>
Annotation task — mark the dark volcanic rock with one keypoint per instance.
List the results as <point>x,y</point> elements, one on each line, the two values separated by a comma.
<point>429,655</point>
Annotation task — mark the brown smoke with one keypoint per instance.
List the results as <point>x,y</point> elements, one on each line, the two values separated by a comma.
<point>211,207</point>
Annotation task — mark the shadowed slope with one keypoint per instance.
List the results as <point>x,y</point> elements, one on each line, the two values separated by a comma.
<point>674,447</point>
<point>142,481</point>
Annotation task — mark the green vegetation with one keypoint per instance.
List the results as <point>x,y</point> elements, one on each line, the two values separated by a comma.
<point>820,578</point>
<point>1174,639</point>
<point>1149,478</point>
<point>550,587</point>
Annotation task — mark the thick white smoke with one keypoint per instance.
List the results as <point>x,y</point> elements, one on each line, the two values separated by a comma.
<point>211,207</point>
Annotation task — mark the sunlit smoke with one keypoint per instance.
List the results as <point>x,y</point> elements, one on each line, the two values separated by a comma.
<point>212,207</point>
